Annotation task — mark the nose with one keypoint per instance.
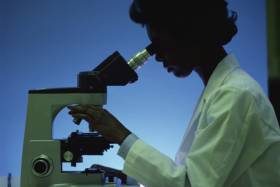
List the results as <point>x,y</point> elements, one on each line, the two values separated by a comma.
<point>159,54</point>
<point>159,51</point>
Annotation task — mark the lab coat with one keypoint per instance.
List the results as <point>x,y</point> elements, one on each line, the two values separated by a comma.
<point>233,139</point>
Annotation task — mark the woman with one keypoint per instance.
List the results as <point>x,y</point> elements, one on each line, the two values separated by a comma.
<point>233,139</point>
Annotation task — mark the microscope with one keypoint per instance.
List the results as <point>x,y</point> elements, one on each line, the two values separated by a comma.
<point>43,156</point>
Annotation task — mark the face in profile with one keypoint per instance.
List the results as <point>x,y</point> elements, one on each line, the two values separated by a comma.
<point>180,60</point>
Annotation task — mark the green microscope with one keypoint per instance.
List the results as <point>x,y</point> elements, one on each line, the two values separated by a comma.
<point>43,156</point>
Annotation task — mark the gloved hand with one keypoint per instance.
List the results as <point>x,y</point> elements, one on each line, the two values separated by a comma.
<point>102,121</point>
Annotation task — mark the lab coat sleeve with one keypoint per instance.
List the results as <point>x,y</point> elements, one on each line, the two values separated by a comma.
<point>126,145</point>
<point>220,137</point>
<point>152,168</point>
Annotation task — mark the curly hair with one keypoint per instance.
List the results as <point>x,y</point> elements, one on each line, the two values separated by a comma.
<point>209,22</point>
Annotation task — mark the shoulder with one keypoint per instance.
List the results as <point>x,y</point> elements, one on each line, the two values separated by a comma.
<point>241,93</point>
<point>239,83</point>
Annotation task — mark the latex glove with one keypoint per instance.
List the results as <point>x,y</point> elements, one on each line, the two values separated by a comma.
<point>102,121</point>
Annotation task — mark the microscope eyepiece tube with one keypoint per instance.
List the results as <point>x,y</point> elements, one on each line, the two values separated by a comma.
<point>140,58</point>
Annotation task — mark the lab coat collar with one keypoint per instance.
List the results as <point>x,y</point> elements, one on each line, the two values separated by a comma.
<point>223,69</point>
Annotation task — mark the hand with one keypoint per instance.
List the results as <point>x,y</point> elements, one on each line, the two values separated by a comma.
<point>111,172</point>
<point>102,121</point>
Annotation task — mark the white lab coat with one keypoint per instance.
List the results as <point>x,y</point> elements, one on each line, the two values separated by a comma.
<point>233,139</point>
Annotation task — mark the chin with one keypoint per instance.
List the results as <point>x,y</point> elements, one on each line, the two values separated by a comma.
<point>181,74</point>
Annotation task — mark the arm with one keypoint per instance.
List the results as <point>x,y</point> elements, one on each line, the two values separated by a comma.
<point>152,168</point>
<point>218,143</point>
<point>144,163</point>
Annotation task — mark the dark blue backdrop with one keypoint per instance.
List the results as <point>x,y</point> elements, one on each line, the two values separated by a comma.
<point>45,43</point>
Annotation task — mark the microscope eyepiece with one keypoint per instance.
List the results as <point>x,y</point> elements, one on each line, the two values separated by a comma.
<point>140,58</point>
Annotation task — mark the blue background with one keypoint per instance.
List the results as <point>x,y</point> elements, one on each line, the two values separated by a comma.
<point>46,43</point>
